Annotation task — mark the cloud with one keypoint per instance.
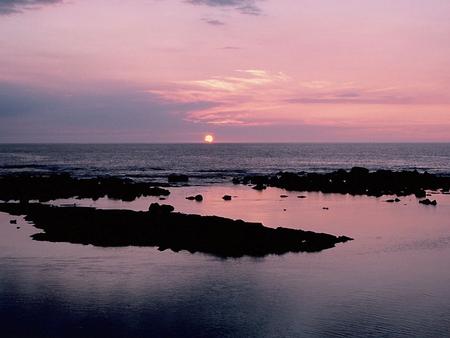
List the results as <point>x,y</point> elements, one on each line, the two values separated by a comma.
<point>18,6</point>
<point>213,22</point>
<point>248,7</point>
<point>240,99</point>
<point>35,114</point>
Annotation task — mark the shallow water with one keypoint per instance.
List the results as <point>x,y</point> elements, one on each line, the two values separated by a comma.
<point>391,281</point>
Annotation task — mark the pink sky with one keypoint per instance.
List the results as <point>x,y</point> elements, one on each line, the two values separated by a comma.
<point>269,70</point>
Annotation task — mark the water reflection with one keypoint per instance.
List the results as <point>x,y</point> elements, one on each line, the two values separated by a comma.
<point>391,281</point>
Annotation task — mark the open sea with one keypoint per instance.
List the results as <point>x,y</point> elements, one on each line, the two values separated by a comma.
<point>209,163</point>
<point>393,280</point>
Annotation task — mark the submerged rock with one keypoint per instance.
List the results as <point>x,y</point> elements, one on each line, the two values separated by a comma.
<point>165,229</point>
<point>226,198</point>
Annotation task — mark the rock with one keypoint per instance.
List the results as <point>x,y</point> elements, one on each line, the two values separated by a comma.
<point>177,178</point>
<point>325,208</point>
<point>420,193</point>
<point>301,196</point>
<point>198,198</point>
<point>396,200</point>
<point>17,227</point>
<point>226,198</point>
<point>156,208</point>
<point>190,198</point>
<point>359,171</point>
<point>162,228</point>
<point>428,202</point>
<point>236,180</point>
<point>46,187</point>
<point>13,221</point>
<point>259,187</point>
<point>357,181</point>
<point>162,198</point>
<point>284,196</point>
<point>157,191</point>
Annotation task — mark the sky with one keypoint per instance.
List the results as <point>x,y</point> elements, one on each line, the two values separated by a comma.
<point>242,70</point>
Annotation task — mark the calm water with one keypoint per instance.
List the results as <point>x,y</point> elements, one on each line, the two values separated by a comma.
<point>218,162</point>
<point>391,281</point>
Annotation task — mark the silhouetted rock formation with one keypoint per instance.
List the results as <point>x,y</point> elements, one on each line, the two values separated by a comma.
<point>428,202</point>
<point>49,187</point>
<point>396,200</point>
<point>357,181</point>
<point>197,198</point>
<point>226,198</point>
<point>167,230</point>
<point>178,178</point>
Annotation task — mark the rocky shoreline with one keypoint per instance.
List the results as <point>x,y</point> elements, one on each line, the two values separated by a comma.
<point>161,227</point>
<point>43,188</point>
<point>357,181</point>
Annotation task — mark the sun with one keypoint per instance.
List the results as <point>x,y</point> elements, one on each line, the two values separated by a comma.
<point>209,138</point>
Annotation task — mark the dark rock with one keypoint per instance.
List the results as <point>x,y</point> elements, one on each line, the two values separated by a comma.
<point>25,187</point>
<point>396,200</point>
<point>325,208</point>
<point>284,196</point>
<point>226,198</point>
<point>156,191</point>
<point>420,193</point>
<point>198,198</point>
<point>259,187</point>
<point>177,178</point>
<point>167,230</point>
<point>358,171</point>
<point>301,196</point>
<point>156,208</point>
<point>357,181</point>
<point>428,202</point>
<point>17,227</point>
<point>13,221</point>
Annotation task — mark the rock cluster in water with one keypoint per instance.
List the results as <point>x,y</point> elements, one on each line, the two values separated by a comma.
<point>55,186</point>
<point>165,229</point>
<point>428,202</point>
<point>357,181</point>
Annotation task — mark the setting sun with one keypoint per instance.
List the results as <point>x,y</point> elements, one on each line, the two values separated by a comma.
<point>209,138</point>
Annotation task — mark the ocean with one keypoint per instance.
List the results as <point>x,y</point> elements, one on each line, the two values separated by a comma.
<point>218,163</point>
<point>392,280</point>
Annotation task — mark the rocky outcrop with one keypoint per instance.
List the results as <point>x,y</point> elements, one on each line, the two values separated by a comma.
<point>55,186</point>
<point>165,229</point>
<point>428,202</point>
<point>357,181</point>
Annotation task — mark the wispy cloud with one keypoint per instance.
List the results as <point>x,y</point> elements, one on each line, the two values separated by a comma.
<point>259,97</point>
<point>213,22</point>
<point>248,7</point>
<point>18,6</point>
